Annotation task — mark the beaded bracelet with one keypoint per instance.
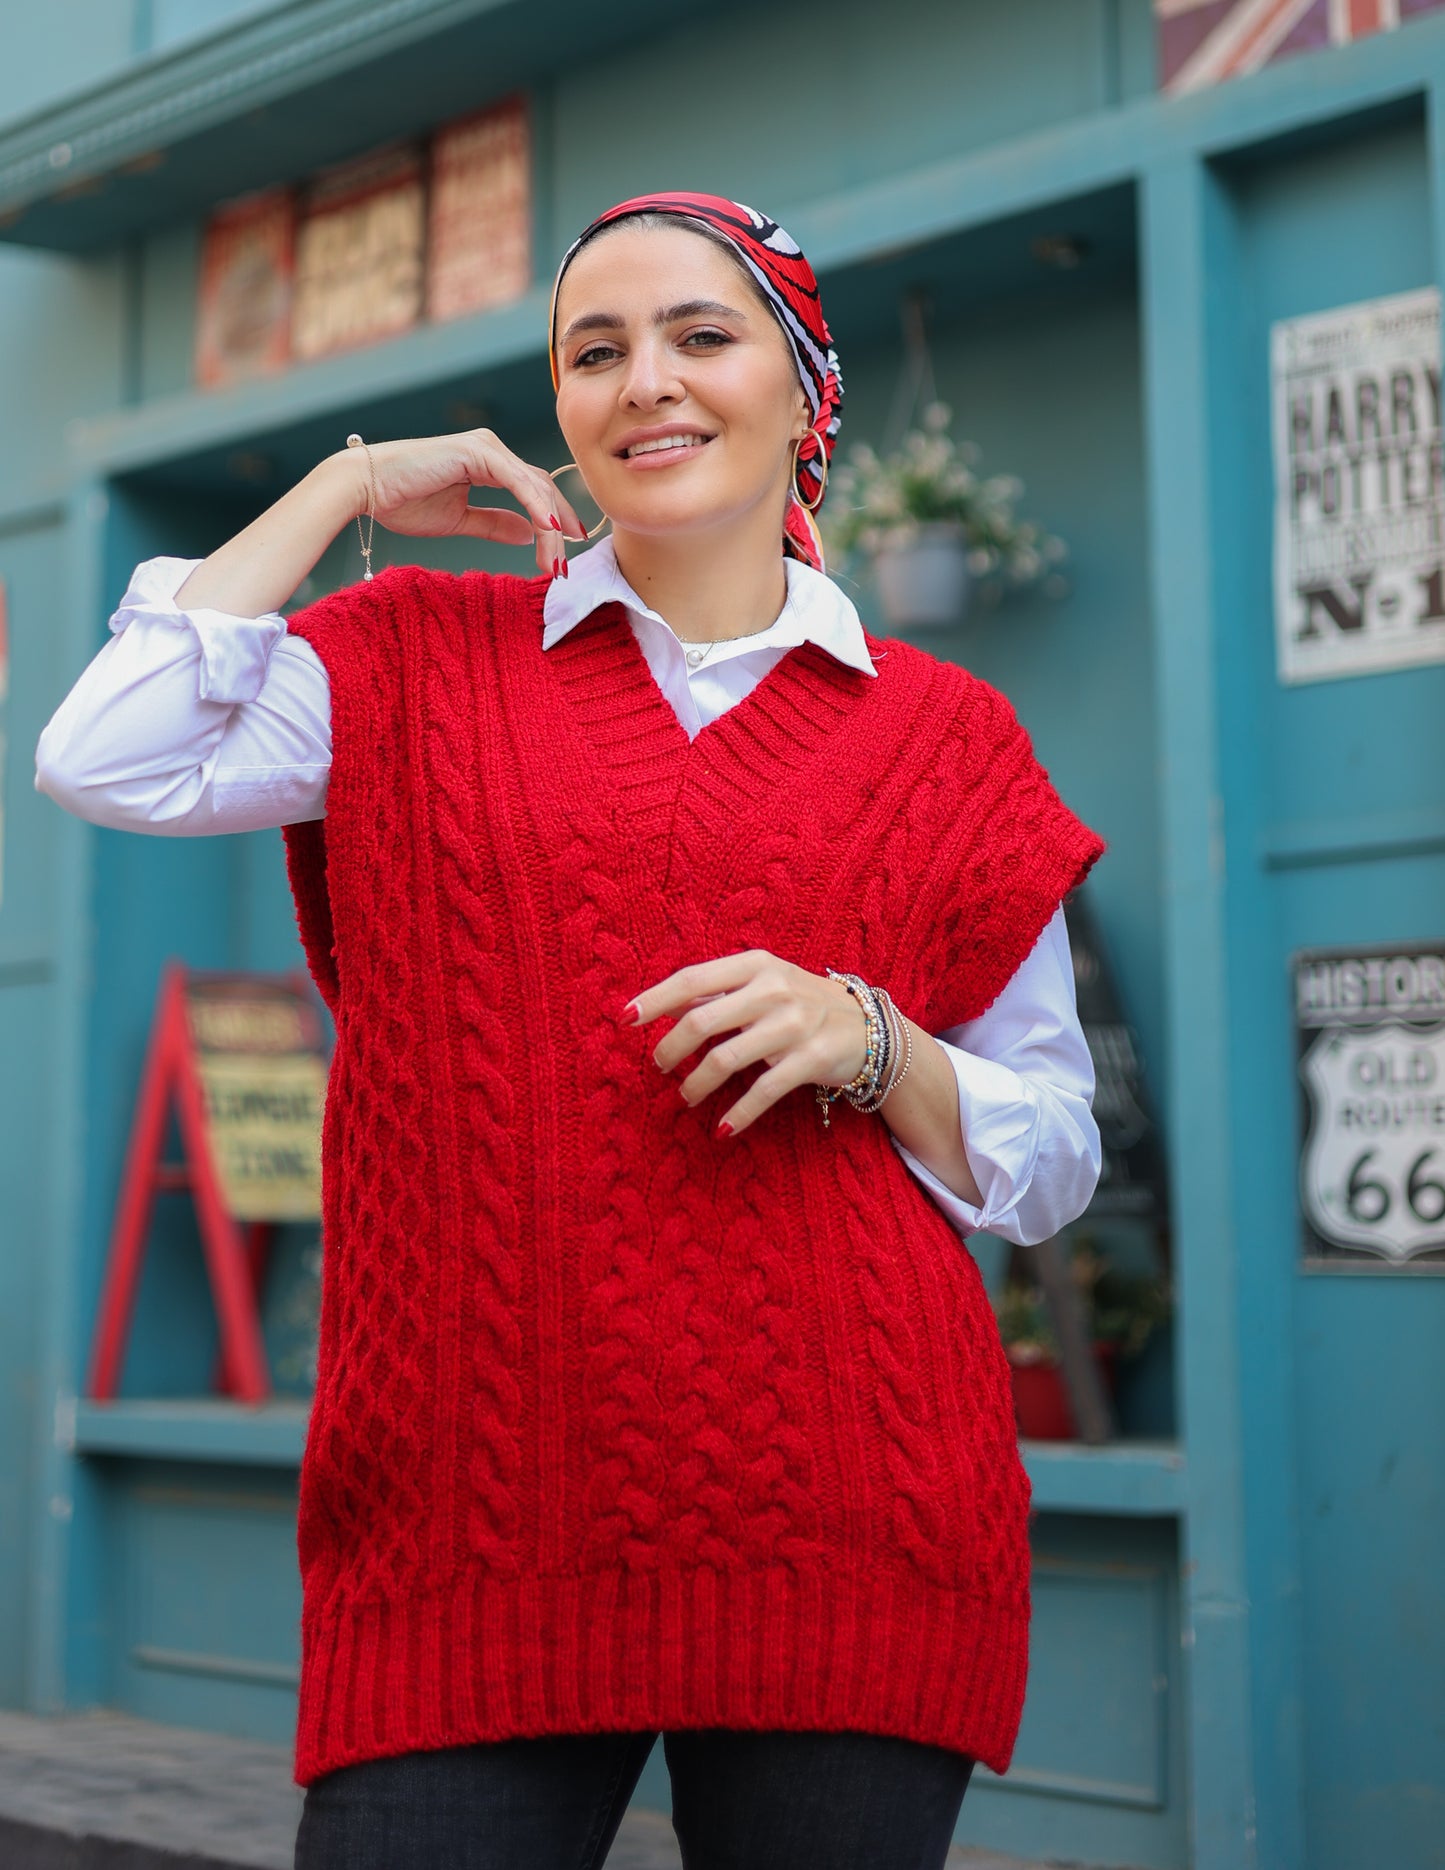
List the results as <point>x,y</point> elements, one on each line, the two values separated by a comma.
<point>873,1084</point>
<point>867,1079</point>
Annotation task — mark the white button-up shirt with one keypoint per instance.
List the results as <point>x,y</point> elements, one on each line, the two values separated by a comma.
<point>190,722</point>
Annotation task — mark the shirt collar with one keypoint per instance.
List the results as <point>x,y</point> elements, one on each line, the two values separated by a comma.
<point>816,611</point>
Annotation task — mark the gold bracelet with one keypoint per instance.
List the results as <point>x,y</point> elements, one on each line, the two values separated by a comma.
<point>898,1076</point>
<point>355,441</point>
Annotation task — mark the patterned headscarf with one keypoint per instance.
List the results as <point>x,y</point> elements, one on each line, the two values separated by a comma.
<point>787,283</point>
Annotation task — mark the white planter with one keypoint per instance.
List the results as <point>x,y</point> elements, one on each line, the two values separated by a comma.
<point>926,584</point>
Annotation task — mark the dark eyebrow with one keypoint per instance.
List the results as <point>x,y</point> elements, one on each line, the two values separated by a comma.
<point>690,308</point>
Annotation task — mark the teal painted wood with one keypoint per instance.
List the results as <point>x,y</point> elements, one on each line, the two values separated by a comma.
<point>31,1090</point>
<point>49,57</point>
<point>1143,1479</point>
<point>268,62</point>
<point>1100,1761</point>
<point>203,1597</point>
<point>27,1015</point>
<point>320,81</point>
<point>56,1676</point>
<point>1266,1456</point>
<point>162,24</point>
<point>195,1428</point>
<point>1184,246</point>
<point>1346,1424</point>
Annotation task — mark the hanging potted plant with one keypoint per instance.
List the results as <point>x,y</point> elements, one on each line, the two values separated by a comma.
<point>1122,1309</point>
<point>936,533</point>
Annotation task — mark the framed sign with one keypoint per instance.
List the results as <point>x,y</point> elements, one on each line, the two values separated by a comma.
<point>1359,510</point>
<point>243,310</point>
<point>1370,1026</point>
<point>258,1056</point>
<point>359,253</point>
<point>479,245</point>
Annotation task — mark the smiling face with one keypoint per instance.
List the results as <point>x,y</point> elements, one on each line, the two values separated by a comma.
<point>677,391</point>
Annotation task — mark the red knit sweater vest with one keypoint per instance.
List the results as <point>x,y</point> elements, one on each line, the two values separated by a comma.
<point>618,1426</point>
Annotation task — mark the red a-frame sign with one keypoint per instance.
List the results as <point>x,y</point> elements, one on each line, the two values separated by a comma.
<point>239,1059</point>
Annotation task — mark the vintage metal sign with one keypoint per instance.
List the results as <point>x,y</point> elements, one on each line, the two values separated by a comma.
<point>1371,1028</point>
<point>1359,529</point>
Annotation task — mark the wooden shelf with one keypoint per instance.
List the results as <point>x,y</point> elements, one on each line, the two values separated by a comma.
<point>1124,1477</point>
<point>195,1428</point>
<point>1131,1478</point>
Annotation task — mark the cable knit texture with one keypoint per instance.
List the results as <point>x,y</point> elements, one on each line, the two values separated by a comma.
<point>618,1426</point>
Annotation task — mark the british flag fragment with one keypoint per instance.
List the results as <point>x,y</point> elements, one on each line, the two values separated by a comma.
<point>1202,41</point>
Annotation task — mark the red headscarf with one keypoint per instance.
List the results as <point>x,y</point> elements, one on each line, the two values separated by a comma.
<point>787,283</point>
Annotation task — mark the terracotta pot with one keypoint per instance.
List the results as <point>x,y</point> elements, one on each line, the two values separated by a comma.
<point>927,583</point>
<point>1041,1398</point>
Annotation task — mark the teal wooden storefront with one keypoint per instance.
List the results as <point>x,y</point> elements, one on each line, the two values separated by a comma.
<point>1239,1657</point>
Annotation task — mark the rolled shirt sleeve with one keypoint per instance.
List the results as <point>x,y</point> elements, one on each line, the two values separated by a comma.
<point>1025,1090</point>
<point>190,721</point>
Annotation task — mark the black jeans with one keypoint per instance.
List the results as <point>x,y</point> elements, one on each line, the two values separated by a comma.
<point>740,1801</point>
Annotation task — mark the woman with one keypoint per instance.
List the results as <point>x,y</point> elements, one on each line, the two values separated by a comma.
<point>655,1391</point>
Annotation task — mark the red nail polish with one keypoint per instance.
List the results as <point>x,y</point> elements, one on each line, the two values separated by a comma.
<point>724,1128</point>
<point>631,1014</point>
<point>565,572</point>
<point>554,522</point>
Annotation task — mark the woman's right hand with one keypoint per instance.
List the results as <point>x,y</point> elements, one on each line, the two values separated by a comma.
<point>423,488</point>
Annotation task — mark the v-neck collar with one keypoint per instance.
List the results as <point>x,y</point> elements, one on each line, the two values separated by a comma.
<point>816,611</point>
<point>603,686</point>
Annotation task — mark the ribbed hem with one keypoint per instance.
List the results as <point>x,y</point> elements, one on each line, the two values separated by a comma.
<point>636,1651</point>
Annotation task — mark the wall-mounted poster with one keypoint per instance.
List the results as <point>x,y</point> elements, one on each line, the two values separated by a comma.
<point>360,239</point>
<point>243,315</point>
<point>479,243</point>
<point>1359,521</point>
<point>1371,1037</point>
<point>1202,41</point>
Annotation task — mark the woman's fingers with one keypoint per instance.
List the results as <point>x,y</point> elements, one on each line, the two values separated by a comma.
<point>499,523</point>
<point>539,497</point>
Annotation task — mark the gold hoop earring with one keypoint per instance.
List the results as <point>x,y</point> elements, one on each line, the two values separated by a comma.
<point>562,470</point>
<point>820,466</point>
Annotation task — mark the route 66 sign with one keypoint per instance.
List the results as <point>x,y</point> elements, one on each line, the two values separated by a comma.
<point>1371,1028</point>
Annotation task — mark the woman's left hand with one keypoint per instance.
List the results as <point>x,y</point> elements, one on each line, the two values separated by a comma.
<point>808,1028</point>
